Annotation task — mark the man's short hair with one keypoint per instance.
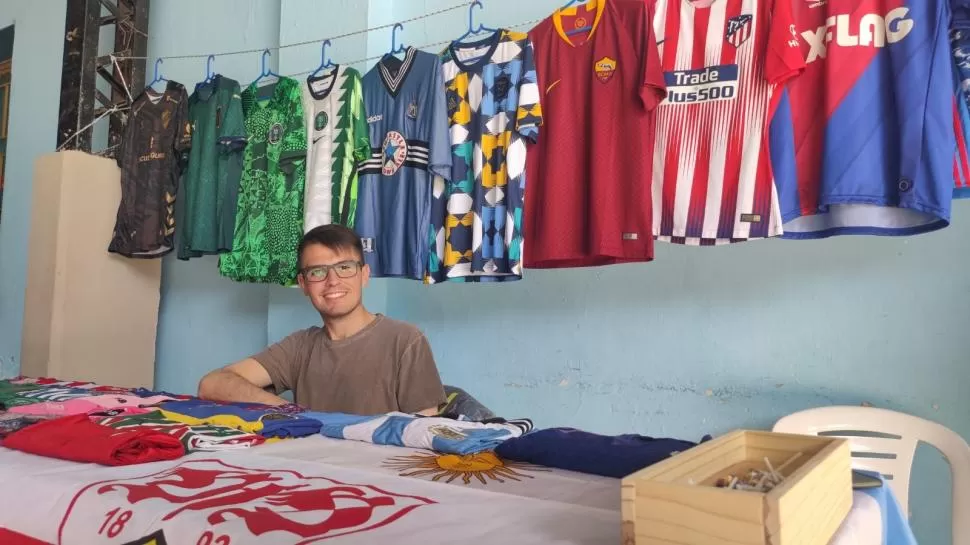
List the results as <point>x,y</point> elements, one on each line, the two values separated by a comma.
<point>335,237</point>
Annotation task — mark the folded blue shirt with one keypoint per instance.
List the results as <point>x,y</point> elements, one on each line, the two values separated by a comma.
<point>433,433</point>
<point>585,452</point>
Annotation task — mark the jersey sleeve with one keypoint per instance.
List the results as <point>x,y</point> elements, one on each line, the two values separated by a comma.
<point>307,102</point>
<point>652,87</point>
<point>528,117</point>
<point>440,155</point>
<point>232,129</point>
<point>183,139</point>
<point>785,59</point>
<point>295,147</point>
<point>362,149</point>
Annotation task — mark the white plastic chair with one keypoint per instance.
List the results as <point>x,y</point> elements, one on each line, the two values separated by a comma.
<point>893,456</point>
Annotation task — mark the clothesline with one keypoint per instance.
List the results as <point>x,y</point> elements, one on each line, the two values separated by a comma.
<point>425,46</point>
<point>307,42</point>
<point>116,58</point>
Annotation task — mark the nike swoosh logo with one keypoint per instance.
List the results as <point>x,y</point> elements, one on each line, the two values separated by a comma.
<point>317,139</point>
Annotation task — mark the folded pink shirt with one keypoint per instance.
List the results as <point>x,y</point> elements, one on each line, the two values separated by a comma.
<point>127,404</point>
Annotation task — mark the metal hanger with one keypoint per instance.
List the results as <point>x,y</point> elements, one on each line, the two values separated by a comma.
<point>395,48</point>
<point>471,22</point>
<point>325,62</point>
<point>266,70</point>
<point>158,76</point>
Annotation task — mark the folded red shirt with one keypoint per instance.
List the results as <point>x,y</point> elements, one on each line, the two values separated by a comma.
<point>78,439</point>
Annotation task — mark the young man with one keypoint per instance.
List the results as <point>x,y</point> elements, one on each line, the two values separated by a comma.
<point>357,363</point>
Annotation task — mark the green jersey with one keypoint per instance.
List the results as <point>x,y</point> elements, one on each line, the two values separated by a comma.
<point>210,188</point>
<point>269,217</point>
<point>337,140</point>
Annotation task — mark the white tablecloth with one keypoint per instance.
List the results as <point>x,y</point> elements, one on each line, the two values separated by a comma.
<point>371,494</point>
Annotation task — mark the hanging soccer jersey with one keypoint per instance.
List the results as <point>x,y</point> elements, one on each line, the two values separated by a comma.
<point>337,140</point>
<point>589,200</point>
<point>870,131</point>
<point>493,110</point>
<point>154,151</point>
<point>210,188</point>
<point>722,62</point>
<point>269,219</point>
<point>408,123</point>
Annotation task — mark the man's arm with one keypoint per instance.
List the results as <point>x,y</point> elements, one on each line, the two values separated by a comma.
<point>243,381</point>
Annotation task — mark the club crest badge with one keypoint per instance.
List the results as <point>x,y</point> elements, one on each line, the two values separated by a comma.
<point>395,152</point>
<point>738,29</point>
<point>239,504</point>
<point>275,133</point>
<point>320,121</point>
<point>413,110</point>
<point>604,69</point>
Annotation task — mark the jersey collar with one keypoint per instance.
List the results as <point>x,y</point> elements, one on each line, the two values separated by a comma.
<point>394,80</point>
<point>599,5</point>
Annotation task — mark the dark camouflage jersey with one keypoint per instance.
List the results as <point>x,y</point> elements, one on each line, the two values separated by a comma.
<point>154,151</point>
<point>269,216</point>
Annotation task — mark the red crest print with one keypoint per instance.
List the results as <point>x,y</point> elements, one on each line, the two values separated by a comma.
<point>237,504</point>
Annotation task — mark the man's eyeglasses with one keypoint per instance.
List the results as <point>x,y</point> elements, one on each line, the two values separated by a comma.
<point>319,273</point>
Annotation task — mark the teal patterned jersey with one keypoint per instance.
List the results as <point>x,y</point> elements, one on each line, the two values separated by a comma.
<point>269,217</point>
<point>493,111</point>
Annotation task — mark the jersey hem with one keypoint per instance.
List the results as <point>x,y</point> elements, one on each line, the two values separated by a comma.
<point>871,231</point>
<point>943,215</point>
<point>147,254</point>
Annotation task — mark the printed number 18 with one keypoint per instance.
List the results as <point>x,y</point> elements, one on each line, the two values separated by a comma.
<point>118,526</point>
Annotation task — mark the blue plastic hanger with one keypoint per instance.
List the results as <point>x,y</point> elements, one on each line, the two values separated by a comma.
<point>325,62</point>
<point>266,71</point>
<point>577,30</point>
<point>209,76</point>
<point>395,48</point>
<point>471,22</point>
<point>158,77</point>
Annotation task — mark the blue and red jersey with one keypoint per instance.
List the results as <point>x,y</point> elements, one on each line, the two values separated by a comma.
<point>863,141</point>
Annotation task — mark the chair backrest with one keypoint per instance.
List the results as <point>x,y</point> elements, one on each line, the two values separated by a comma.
<point>891,452</point>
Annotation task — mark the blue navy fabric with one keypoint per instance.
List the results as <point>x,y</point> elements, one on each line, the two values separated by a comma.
<point>410,145</point>
<point>585,452</point>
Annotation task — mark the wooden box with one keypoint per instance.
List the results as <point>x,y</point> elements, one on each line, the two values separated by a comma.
<point>677,501</point>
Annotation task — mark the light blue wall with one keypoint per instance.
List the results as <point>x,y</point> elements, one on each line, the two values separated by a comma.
<point>700,341</point>
<point>35,97</point>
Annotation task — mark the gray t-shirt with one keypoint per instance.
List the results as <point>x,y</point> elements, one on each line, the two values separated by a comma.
<point>387,366</point>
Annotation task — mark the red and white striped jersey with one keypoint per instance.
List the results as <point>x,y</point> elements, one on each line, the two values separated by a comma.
<point>722,62</point>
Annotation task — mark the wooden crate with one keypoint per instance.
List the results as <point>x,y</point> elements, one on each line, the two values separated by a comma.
<point>676,501</point>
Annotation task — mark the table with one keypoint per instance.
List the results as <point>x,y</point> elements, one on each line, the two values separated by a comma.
<point>312,489</point>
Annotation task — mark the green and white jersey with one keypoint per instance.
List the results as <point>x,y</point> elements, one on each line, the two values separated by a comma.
<point>269,215</point>
<point>337,140</point>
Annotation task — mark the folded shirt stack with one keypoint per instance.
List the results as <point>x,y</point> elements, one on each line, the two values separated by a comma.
<point>433,433</point>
